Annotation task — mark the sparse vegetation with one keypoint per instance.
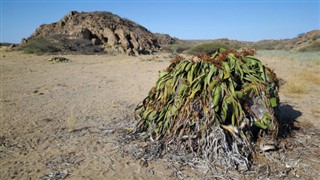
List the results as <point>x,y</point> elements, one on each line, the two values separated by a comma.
<point>315,37</point>
<point>60,43</point>
<point>301,81</point>
<point>296,88</point>
<point>265,45</point>
<point>59,59</point>
<point>310,77</point>
<point>313,46</point>
<point>209,107</point>
<point>177,48</point>
<point>40,45</point>
<point>316,63</point>
<point>154,59</point>
<point>282,55</point>
<point>206,48</point>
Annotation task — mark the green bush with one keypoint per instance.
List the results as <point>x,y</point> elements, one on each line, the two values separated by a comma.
<point>206,48</point>
<point>176,48</point>
<point>265,45</point>
<point>40,45</point>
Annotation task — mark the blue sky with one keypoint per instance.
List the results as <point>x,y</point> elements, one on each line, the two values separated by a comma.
<point>207,19</point>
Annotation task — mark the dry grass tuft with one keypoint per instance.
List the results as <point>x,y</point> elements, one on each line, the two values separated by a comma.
<point>310,77</point>
<point>316,109</point>
<point>317,63</point>
<point>296,88</point>
<point>71,122</point>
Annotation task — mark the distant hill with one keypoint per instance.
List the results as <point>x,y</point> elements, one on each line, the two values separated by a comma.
<point>95,32</point>
<point>309,41</point>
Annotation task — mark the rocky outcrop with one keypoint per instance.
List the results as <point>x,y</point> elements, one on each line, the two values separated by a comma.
<point>104,29</point>
<point>165,38</point>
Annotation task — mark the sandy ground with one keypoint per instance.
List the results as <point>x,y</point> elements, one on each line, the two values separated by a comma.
<point>62,120</point>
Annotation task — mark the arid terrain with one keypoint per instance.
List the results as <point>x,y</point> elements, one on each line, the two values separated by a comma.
<point>66,120</point>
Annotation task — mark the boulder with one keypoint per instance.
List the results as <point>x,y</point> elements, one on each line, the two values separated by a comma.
<point>95,41</point>
<point>23,41</point>
<point>111,38</point>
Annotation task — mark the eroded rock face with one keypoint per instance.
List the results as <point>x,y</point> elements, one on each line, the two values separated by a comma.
<point>165,38</point>
<point>105,29</point>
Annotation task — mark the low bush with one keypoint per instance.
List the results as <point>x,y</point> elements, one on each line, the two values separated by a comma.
<point>40,45</point>
<point>266,45</point>
<point>176,48</point>
<point>59,59</point>
<point>206,48</point>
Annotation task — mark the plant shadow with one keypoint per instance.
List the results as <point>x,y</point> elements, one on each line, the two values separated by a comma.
<point>287,118</point>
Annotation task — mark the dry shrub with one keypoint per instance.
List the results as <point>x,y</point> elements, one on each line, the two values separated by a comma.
<point>310,77</point>
<point>316,63</point>
<point>58,59</point>
<point>296,88</point>
<point>71,122</point>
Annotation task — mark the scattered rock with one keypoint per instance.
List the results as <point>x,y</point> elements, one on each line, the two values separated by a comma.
<point>60,174</point>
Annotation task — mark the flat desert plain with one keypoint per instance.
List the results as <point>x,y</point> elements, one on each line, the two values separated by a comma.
<point>66,120</point>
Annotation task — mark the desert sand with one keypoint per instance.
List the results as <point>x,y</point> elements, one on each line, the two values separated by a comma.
<point>64,120</point>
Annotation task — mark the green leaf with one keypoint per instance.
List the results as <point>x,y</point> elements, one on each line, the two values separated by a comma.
<point>198,87</point>
<point>274,101</point>
<point>226,70</point>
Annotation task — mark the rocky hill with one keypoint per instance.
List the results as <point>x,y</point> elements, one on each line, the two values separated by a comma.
<point>98,31</point>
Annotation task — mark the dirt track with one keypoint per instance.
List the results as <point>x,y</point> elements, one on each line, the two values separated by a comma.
<point>63,120</point>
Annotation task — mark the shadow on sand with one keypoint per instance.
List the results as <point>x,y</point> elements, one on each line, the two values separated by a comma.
<point>288,117</point>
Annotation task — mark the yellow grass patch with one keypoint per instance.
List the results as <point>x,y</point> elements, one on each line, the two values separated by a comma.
<point>296,88</point>
<point>317,63</point>
<point>310,77</point>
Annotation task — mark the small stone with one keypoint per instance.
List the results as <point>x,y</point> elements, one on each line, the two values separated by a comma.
<point>95,41</point>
